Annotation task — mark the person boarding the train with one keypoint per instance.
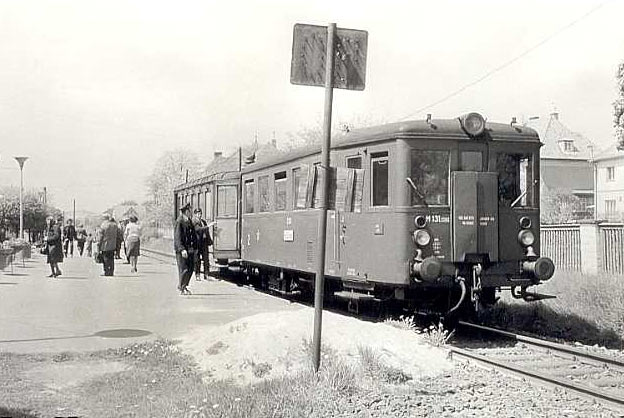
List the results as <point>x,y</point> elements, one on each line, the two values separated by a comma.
<point>203,242</point>
<point>185,245</point>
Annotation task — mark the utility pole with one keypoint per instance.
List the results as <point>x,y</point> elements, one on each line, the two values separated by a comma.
<point>75,213</point>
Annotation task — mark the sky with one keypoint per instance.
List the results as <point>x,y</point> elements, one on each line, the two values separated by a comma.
<point>94,92</point>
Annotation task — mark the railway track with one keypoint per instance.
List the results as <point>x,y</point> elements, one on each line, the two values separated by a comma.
<point>593,375</point>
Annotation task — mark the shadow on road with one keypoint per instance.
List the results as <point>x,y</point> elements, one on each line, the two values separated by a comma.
<point>16,413</point>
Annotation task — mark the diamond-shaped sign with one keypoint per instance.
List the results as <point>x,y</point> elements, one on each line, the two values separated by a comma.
<point>309,54</point>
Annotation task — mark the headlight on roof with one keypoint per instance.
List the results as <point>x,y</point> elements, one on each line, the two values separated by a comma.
<point>473,123</point>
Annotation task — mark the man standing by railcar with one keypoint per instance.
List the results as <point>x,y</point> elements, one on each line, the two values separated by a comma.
<point>203,242</point>
<point>107,244</point>
<point>185,245</point>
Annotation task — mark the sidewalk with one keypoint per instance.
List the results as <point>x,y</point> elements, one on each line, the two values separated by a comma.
<point>82,310</point>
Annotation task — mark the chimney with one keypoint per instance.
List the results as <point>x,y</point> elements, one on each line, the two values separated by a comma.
<point>218,154</point>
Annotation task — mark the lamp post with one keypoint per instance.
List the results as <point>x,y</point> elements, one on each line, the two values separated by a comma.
<point>21,161</point>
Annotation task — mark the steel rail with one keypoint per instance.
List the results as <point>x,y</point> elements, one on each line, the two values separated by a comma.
<point>617,400</point>
<point>547,344</point>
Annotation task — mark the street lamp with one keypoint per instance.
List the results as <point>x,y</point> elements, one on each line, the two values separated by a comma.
<point>21,161</point>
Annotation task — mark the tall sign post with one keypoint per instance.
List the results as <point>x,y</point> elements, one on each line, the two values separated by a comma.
<point>329,57</point>
<point>21,161</point>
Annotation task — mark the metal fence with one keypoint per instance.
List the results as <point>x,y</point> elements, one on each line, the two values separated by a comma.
<point>612,248</point>
<point>562,243</point>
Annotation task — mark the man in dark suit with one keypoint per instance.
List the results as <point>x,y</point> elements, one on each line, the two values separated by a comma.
<point>185,245</point>
<point>69,232</point>
<point>203,242</point>
<point>108,244</point>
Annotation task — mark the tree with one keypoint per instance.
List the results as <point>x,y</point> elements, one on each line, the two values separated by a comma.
<point>313,135</point>
<point>169,171</point>
<point>561,206</point>
<point>618,108</point>
<point>35,212</point>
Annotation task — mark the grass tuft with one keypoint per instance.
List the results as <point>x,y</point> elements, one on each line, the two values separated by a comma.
<point>588,309</point>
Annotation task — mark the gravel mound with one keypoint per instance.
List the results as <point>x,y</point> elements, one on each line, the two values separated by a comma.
<point>275,344</point>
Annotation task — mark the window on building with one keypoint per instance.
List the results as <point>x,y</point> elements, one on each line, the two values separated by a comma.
<point>515,178</point>
<point>609,207</point>
<point>354,162</point>
<point>379,179</point>
<point>226,201</point>
<point>264,204</point>
<point>300,187</point>
<point>249,196</point>
<point>430,173</point>
<point>280,190</point>
<point>610,173</point>
<point>567,145</point>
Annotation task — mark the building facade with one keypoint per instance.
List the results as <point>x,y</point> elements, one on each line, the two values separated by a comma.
<point>565,163</point>
<point>609,166</point>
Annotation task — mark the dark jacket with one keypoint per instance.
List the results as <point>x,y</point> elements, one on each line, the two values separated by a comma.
<point>203,234</point>
<point>185,237</point>
<point>55,246</point>
<point>108,236</point>
<point>69,232</point>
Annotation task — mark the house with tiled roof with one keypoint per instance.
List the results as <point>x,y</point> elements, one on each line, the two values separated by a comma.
<point>610,184</point>
<point>565,160</point>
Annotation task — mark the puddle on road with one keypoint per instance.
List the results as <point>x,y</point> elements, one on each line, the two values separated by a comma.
<point>122,333</point>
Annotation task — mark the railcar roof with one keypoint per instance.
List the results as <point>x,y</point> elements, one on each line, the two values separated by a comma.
<point>224,175</point>
<point>417,129</point>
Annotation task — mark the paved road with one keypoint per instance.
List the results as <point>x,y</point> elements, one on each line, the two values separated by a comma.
<point>38,313</point>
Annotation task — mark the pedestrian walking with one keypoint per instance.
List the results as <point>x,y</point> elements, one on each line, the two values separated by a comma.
<point>185,245</point>
<point>81,237</point>
<point>89,244</point>
<point>54,246</point>
<point>119,239</point>
<point>203,242</point>
<point>69,232</point>
<point>133,242</point>
<point>107,245</point>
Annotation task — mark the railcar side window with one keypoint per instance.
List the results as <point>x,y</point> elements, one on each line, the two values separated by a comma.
<point>300,187</point>
<point>226,201</point>
<point>379,177</point>
<point>430,174</point>
<point>263,194</point>
<point>317,194</point>
<point>249,196</point>
<point>515,178</point>
<point>280,190</point>
<point>354,162</point>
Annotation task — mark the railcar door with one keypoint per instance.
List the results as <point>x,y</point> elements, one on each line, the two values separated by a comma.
<point>226,229</point>
<point>474,206</point>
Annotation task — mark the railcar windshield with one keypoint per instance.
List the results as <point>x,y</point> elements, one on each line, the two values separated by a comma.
<point>429,175</point>
<point>515,179</point>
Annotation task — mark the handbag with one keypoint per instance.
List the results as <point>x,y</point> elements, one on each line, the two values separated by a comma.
<point>44,250</point>
<point>98,258</point>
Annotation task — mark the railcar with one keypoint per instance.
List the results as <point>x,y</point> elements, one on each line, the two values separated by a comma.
<point>432,214</point>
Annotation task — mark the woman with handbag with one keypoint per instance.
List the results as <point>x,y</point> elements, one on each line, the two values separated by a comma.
<point>54,246</point>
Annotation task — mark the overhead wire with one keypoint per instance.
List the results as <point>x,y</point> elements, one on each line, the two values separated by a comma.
<point>507,63</point>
